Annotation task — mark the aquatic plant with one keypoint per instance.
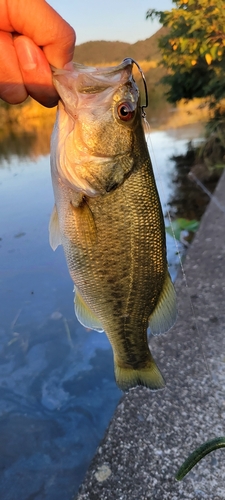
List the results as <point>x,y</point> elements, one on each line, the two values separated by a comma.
<point>178,226</point>
<point>199,454</point>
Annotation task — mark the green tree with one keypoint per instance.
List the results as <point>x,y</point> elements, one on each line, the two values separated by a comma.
<point>193,50</point>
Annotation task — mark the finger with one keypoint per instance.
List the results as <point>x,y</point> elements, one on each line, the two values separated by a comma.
<point>12,88</point>
<point>38,21</point>
<point>36,72</point>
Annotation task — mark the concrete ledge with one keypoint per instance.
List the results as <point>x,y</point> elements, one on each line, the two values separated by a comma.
<point>152,433</point>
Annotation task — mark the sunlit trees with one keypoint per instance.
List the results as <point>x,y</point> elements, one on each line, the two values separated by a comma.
<point>193,50</point>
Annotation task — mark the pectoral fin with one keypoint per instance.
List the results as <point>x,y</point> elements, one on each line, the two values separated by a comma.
<point>84,314</point>
<point>54,231</point>
<point>84,228</point>
<point>165,313</point>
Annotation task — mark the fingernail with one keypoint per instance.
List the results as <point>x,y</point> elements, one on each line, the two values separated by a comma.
<point>69,66</point>
<point>27,56</point>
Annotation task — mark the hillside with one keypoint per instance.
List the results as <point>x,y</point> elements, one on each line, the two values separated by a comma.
<point>107,52</point>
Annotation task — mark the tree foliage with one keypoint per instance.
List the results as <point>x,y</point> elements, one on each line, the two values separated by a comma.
<point>193,50</point>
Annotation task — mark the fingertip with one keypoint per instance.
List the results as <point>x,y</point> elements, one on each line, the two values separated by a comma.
<point>69,66</point>
<point>12,89</point>
<point>61,50</point>
<point>13,93</point>
<point>36,72</point>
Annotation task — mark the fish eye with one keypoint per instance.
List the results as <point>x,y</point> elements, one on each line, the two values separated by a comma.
<point>125,111</point>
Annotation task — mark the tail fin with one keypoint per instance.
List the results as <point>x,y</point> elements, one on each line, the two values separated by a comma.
<point>148,376</point>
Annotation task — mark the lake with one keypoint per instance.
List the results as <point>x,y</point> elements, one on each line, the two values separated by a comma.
<point>57,387</point>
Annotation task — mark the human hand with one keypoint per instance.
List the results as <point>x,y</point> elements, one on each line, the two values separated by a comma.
<point>32,36</point>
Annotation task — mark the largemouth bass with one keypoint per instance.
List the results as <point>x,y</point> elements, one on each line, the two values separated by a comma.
<point>108,216</point>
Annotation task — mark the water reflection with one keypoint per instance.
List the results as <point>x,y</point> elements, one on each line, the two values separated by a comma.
<point>25,130</point>
<point>30,143</point>
<point>188,200</point>
<point>16,142</point>
<point>57,388</point>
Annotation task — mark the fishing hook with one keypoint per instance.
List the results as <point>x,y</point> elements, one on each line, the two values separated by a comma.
<point>144,82</point>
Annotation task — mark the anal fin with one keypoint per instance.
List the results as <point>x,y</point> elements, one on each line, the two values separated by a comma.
<point>84,314</point>
<point>165,312</point>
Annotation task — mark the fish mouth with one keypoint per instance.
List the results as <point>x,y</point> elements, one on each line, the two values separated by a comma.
<point>91,70</point>
<point>89,80</point>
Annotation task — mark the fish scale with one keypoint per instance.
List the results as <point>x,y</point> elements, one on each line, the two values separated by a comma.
<point>114,239</point>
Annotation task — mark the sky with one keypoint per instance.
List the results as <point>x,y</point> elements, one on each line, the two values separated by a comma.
<point>123,20</point>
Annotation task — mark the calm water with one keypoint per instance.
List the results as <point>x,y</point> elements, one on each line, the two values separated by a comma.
<point>57,388</point>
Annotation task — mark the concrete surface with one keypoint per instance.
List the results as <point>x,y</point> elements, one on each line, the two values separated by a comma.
<point>152,433</point>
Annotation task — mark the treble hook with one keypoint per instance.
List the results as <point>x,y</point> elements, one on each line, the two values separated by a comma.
<point>145,84</point>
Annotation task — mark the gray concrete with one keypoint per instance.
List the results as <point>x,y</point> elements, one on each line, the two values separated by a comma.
<point>152,433</point>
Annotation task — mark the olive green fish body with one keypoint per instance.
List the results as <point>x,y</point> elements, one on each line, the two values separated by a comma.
<point>114,242</point>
